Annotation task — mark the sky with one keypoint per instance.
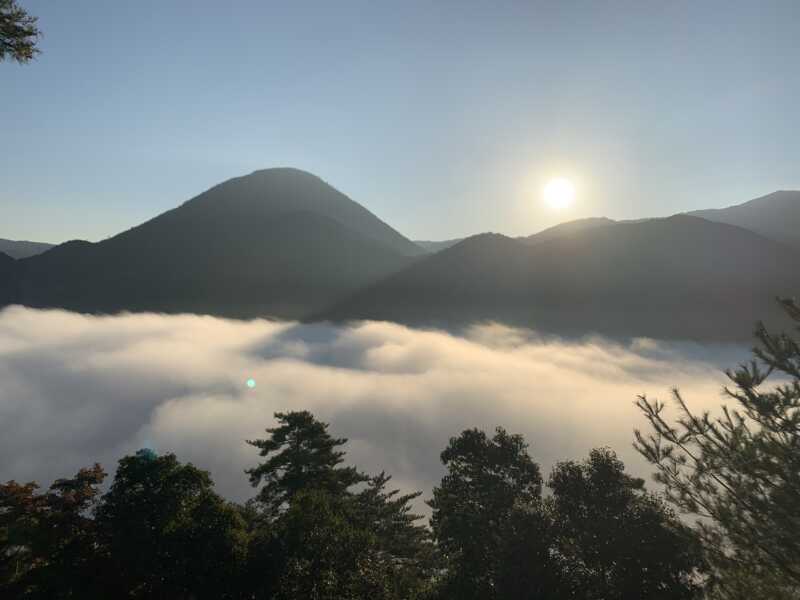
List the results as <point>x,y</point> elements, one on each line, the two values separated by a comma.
<point>443,118</point>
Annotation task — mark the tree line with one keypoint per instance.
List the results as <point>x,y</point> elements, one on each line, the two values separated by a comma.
<point>319,529</point>
<point>725,523</point>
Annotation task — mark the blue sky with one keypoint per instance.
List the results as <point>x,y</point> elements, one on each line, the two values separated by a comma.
<point>443,118</point>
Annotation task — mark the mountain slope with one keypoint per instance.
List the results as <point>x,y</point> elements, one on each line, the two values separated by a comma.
<point>568,228</point>
<point>8,271</point>
<point>270,244</point>
<point>22,249</point>
<point>680,277</point>
<point>776,216</point>
<point>270,192</point>
<point>431,246</point>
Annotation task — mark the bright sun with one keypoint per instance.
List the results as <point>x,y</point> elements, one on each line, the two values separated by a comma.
<point>559,193</point>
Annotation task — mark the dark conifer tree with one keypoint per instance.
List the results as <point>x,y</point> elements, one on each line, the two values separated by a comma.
<point>300,454</point>
<point>323,530</point>
<point>399,536</point>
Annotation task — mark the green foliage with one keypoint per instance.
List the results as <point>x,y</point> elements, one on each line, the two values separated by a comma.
<point>47,541</point>
<point>615,541</point>
<point>301,454</point>
<point>328,553</point>
<point>400,539</point>
<point>320,530</point>
<point>739,472</point>
<point>18,33</point>
<point>598,536</point>
<point>527,566</point>
<point>487,478</point>
<point>317,537</point>
<point>166,533</point>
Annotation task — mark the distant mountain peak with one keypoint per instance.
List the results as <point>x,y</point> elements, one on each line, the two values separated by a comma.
<point>482,241</point>
<point>775,216</point>
<point>568,228</point>
<point>270,192</point>
<point>278,242</point>
<point>487,236</point>
<point>290,171</point>
<point>22,248</point>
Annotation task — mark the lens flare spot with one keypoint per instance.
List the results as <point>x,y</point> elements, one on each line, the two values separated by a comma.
<point>251,383</point>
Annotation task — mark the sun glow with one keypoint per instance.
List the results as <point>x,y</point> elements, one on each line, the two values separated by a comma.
<point>559,193</point>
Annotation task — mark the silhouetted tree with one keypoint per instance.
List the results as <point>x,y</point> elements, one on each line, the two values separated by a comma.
<point>739,471</point>
<point>301,455</point>
<point>316,535</point>
<point>48,541</point>
<point>614,540</point>
<point>487,479</point>
<point>527,565</point>
<point>18,33</point>
<point>328,552</point>
<point>18,521</point>
<point>167,534</point>
<point>399,538</point>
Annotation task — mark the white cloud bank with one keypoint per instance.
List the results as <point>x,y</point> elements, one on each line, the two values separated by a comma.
<point>76,389</point>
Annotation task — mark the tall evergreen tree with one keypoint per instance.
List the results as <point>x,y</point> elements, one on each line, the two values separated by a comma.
<point>328,531</point>
<point>739,471</point>
<point>300,454</point>
<point>327,552</point>
<point>399,537</point>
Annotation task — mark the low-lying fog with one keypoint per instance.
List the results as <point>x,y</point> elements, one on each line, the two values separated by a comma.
<point>76,389</point>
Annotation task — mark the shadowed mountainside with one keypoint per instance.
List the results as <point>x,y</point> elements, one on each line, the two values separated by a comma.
<point>279,242</point>
<point>775,216</point>
<point>8,268</point>
<point>23,249</point>
<point>679,277</point>
<point>283,243</point>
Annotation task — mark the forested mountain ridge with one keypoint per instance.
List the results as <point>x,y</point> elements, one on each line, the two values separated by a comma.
<point>680,276</point>
<point>282,243</point>
<point>775,216</point>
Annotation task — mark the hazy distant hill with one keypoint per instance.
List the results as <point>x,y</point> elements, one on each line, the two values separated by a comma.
<point>278,242</point>
<point>568,228</point>
<point>776,216</point>
<point>22,249</point>
<point>680,277</point>
<point>430,246</point>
